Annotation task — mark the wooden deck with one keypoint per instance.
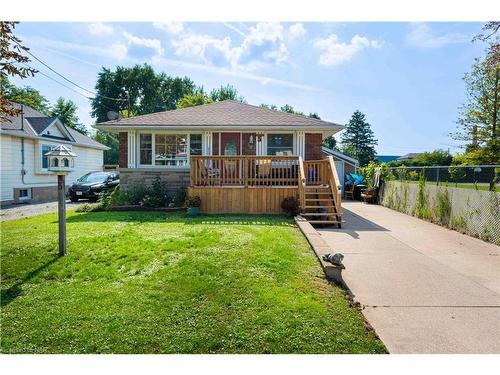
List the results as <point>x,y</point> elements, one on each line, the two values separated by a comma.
<point>258,184</point>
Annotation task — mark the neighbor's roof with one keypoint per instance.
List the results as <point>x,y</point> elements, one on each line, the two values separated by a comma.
<point>411,155</point>
<point>223,113</point>
<point>339,155</point>
<point>36,122</point>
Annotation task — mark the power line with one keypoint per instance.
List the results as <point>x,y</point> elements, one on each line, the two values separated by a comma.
<point>66,79</point>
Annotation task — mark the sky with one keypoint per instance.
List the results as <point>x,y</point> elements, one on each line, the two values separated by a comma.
<point>405,77</point>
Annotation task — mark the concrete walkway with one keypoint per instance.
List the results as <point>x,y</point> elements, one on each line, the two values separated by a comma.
<point>424,288</point>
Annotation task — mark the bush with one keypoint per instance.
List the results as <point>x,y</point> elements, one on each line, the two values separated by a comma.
<point>194,201</point>
<point>157,196</point>
<point>291,206</point>
<point>180,197</point>
<point>89,207</point>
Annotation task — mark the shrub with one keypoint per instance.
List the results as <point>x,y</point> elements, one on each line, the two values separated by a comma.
<point>413,176</point>
<point>194,201</point>
<point>157,196</point>
<point>291,206</point>
<point>89,207</point>
<point>180,197</point>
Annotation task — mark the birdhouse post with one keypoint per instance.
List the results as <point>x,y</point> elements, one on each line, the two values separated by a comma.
<point>61,161</point>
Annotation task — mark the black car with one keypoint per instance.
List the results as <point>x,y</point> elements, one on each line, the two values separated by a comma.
<point>90,185</point>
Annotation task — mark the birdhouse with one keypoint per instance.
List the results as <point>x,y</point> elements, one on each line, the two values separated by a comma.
<point>61,160</point>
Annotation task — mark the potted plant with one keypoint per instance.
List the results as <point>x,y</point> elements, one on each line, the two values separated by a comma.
<point>193,205</point>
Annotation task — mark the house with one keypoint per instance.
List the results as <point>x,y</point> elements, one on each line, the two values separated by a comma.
<point>237,157</point>
<point>386,158</point>
<point>343,163</point>
<point>24,141</point>
<point>409,156</point>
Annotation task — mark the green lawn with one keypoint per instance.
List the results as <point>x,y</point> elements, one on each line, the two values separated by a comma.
<point>147,282</point>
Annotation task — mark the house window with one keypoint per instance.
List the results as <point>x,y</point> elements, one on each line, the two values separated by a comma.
<point>195,144</point>
<point>24,194</point>
<point>280,144</point>
<point>146,148</point>
<point>171,149</point>
<point>45,159</point>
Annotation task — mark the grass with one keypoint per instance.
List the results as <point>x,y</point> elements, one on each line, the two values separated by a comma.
<point>464,185</point>
<point>144,282</point>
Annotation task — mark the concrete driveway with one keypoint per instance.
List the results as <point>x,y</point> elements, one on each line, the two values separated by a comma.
<point>424,288</point>
<point>19,211</point>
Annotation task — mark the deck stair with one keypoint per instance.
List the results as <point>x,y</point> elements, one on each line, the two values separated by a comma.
<point>319,195</point>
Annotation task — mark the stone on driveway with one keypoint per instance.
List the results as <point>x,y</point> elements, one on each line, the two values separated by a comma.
<point>424,288</point>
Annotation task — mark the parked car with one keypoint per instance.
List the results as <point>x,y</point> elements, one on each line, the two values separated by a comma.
<point>91,184</point>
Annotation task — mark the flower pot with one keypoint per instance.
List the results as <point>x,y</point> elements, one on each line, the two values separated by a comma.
<point>193,211</point>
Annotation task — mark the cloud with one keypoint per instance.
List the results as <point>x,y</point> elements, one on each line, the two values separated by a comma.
<point>154,44</point>
<point>297,30</point>
<point>234,28</point>
<point>99,28</point>
<point>334,52</point>
<point>263,44</point>
<point>170,27</point>
<point>421,36</point>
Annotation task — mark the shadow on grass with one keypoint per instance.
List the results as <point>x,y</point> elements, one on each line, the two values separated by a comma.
<point>10,294</point>
<point>181,218</point>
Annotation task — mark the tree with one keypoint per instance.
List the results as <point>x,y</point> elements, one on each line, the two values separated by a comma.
<point>269,106</point>
<point>358,140</point>
<point>195,99</point>
<point>227,92</point>
<point>110,140</point>
<point>478,121</point>
<point>24,95</point>
<point>136,91</point>
<point>12,63</point>
<point>331,143</point>
<point>65,110</point>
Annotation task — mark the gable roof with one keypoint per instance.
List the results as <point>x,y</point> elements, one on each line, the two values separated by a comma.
<point>339,155</point>
<point>36,122</point>
<point>224,113</point>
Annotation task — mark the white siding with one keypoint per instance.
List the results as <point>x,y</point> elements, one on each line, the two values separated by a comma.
<point>339,165</point>
<point>88,159</point>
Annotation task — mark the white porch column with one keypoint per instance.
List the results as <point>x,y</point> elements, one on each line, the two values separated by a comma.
<point>301,142</point>
<point>132,149</point>
<point>207,143</point>
<point>260,146</point>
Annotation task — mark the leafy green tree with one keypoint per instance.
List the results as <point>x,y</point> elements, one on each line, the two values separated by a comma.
<point>436,157</point>
<point>358,140</point>
<point>479,117</point>
<point>227,92</point>
<point>269,106</point>
<point>195,99</point>
<point>110,156</point>
<point>25,95</point>
<point>12,62</point>
<point>331,143</point>
<point>65,110</point>
<point>137,90</point>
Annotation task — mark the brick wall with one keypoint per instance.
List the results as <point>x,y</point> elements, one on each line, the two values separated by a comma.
<point>173,179</point>
<point>313,146</point>
<point>123,149</point>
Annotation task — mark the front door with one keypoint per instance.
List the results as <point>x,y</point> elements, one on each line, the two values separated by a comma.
<point>230,145</point>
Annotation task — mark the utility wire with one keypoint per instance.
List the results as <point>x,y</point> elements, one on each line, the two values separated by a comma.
<point>67,79</point>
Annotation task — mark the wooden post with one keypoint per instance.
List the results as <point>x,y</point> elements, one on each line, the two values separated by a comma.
<point>61,192</point>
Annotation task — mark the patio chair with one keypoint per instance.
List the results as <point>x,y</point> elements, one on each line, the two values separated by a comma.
<point>264,168</point>
<point>206,173</point>
<point>349,191</point>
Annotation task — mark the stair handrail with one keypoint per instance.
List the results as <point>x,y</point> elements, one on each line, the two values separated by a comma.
<point>335,185</point>
<point>302,183</point>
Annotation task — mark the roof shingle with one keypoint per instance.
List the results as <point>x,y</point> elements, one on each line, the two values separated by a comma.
<point>223,113</point>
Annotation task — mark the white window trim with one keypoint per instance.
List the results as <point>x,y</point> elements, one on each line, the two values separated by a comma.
<point>153,144</point>
<point>294,140</point>
<point>27,197</point>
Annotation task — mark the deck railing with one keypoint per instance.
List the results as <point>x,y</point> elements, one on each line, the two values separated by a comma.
<point>244,170</point>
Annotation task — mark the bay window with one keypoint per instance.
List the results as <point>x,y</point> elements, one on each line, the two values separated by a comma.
<point>171,150</point>
<point>280,144</point>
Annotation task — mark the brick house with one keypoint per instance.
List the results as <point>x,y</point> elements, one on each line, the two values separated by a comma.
<point>223,145</point>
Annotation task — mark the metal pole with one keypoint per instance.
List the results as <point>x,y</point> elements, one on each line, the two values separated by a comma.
<point>61,191</point>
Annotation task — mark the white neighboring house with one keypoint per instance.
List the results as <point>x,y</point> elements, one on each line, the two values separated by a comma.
<point>23,167</point>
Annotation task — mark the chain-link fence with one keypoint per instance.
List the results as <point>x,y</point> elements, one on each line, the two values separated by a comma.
<point>480,177</point>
